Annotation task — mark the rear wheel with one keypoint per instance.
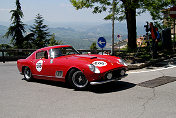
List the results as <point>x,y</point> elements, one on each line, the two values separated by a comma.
<point>27,74</point>
<point>78,80</point>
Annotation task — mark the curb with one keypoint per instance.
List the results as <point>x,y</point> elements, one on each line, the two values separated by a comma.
<point>148,63</point>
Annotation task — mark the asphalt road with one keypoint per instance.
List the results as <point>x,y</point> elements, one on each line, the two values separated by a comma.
<point>123,99</point>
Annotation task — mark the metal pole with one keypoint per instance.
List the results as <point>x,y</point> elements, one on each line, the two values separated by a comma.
<point>113,12</point>
<point>119,43</point>
<point>174,34</point>
<point>102,51</point>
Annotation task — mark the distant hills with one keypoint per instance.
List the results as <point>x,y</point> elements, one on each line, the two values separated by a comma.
<point>81,35</point>
<point>3,30</point>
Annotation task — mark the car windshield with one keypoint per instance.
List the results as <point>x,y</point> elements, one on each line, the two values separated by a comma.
<point>57,52</point>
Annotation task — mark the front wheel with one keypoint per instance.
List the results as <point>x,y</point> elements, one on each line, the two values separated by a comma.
<point>78,80</point>
<point>27,74</point>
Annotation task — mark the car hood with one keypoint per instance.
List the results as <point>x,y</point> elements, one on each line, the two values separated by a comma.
<point>103,62</point>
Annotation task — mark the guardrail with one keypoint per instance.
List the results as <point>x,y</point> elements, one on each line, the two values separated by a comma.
<point>15,54</point>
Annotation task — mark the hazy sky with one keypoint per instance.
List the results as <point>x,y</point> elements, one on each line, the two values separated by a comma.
<point>54,11</point>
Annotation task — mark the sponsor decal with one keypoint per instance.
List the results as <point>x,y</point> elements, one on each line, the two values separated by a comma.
<point>99,63</point>
<point>39,65</point>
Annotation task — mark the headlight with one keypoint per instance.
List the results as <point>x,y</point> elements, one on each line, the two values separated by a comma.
<point>121,61</point>
<point>93,68</point>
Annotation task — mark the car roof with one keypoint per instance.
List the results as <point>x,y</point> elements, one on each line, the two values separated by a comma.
<point>52,47</point>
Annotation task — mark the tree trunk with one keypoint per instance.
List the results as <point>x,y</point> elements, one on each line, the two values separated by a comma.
<point>131,26</point>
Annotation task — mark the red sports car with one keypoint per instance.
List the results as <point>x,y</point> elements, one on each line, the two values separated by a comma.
<point>64,63</point>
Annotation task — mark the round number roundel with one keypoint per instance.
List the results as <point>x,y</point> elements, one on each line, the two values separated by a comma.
<point>39,65</point>
<point>99,63</point>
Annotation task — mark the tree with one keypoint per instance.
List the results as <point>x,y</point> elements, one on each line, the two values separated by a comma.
<point>93,48</point>
<point>28,41</point>
<point>125,9</point>
<point>16,29</point>
<point>40,32</point>
<point>53,42</point>
<point>5,46</point>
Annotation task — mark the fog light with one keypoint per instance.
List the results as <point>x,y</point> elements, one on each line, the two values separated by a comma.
<point>122,72</point>
<point>109,76</point>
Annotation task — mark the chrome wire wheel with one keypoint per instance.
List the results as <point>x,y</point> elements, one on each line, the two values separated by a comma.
<point>79,80</point>
<point>27,74</point>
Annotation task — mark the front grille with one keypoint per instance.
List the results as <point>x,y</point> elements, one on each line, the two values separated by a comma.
<point>115,74</point>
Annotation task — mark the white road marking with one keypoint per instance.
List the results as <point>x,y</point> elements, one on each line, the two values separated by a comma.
<point>171,66</point>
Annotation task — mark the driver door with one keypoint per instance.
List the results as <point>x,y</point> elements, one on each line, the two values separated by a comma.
<point>41,62</point>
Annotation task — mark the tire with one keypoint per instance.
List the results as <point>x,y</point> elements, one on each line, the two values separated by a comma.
<point>78,80</point>
<point>27,74</point>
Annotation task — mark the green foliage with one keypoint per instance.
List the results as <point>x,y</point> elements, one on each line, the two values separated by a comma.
<point>126,9</point>
<point>100,6</point>
<point>5,46</point>
<point>93,46</point>
<point>40,32</point>
<point>28,41</point>
<point>16,29</point>
<point>53,42</point>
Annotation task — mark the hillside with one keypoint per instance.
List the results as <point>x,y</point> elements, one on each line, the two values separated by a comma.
<point>81,36</point>
<point>3,30</point>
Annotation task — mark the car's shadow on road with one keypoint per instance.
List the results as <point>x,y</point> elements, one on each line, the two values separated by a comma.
<point>49,82</point>
<point>111,87</point>
<point>99,89</point>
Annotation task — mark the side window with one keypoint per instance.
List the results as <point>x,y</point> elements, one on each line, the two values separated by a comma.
<point>42,55</point>
<point>55,53</point>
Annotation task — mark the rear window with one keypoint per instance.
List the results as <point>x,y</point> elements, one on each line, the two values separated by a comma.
<point>42,55</point>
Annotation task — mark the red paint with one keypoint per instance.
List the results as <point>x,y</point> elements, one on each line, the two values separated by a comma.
<point>65,63</point>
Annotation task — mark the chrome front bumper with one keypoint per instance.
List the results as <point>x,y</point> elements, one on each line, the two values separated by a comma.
<point>106,81</point>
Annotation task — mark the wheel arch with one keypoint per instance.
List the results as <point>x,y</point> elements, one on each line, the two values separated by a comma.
<point>23,67</point>
<point>68,72</point>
